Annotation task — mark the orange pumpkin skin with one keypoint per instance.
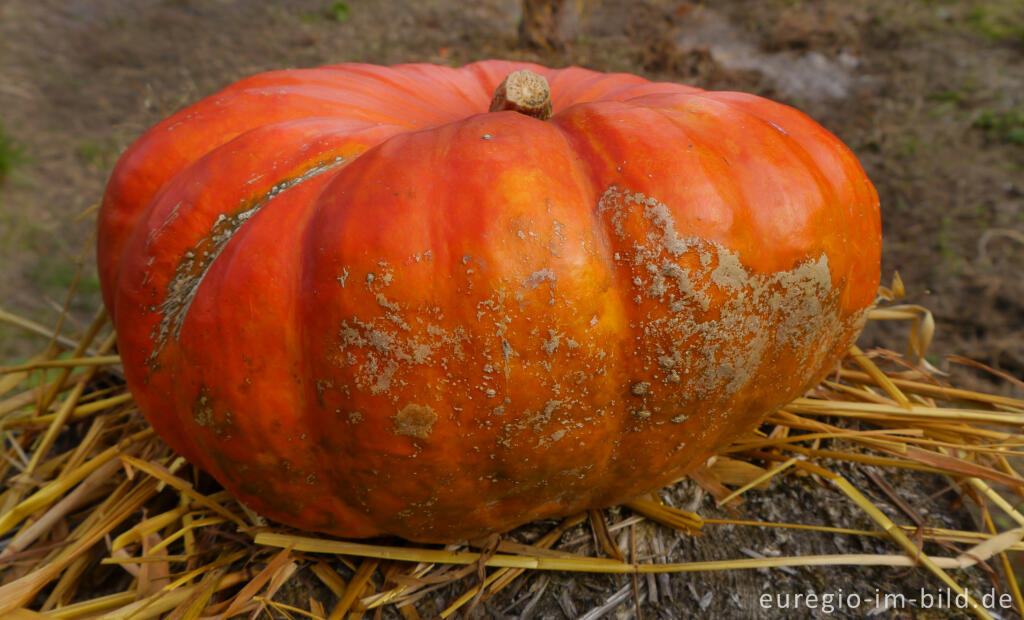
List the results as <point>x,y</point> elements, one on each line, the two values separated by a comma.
<point>368,306</point>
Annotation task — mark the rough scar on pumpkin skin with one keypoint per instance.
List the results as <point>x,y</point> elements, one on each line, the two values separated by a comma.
<point>759,313</point>
<point>191,271</point>
<point>414,421</point>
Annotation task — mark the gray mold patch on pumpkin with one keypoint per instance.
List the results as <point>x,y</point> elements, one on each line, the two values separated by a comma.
<point>715,324</point>
<point>190,272</point>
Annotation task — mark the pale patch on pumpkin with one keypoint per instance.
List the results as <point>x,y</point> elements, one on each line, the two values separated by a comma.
<point>204,415</point>
<point>380,359</point>
<point>716,322</point>
<point>539,276</point>
<point>414,421</point>
<point>203,412</point>
<point>385,352</point>
<point>640,388</point>
<point>551,344</point>
<point>190,272</point>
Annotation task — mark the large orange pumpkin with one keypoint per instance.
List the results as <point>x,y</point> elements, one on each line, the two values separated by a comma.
<point>367,305</point>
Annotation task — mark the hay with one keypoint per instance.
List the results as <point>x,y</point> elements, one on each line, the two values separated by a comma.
<point>86,483</point>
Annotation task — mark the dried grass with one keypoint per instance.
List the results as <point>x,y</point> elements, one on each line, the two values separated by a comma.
<point>86,483</point>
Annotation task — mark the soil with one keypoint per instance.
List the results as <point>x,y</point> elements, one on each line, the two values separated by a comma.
<point>929,95</point>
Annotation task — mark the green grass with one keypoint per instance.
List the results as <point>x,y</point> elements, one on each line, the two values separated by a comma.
<point>338,11</point>
<point>947,96</point>
<point>906,146</point>
<point>335,11</point>
<point>97,153</point>
<point>1006,126</point>
<point>997,21</point>
<point>53,275</point>
<point>12,155</point>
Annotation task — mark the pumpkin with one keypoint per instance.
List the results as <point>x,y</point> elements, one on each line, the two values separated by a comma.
<point>403,300</point>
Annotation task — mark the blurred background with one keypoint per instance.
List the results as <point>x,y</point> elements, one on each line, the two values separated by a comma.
<point>928,93</point>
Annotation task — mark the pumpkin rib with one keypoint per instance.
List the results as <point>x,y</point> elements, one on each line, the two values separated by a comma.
<point>362,104</point>
<point>175,309</point>
<point>168,206</point>
<point>420,85</point>
<point>715,166</point>
<point>275,426</point>
<point>366,109</point>
<point>769,184</point>
<point>158,219</point>
<point>738,195</point>
<point>615,304</point>
<point>336,86</point>
<point>600,123</point>
<point>623,288</point>
<point>475,82</point>
<point>846,163</point>
<point>830,192</point>
<point>567,89</point>
<point>340,463</point>
<point>138,178</point>
<point>603,245</point>
<point>136,346</point>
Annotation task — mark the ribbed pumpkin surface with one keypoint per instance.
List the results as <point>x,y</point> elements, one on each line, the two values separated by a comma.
<point>366,305</point>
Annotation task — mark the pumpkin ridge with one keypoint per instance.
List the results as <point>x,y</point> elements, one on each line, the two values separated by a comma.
<point>711,158</point>
<point>821,168</point>
<point>575,85</point>
<point>190,272</point>
<point>148,167</point>
<point>827,187</point>
<point>736,197</point>
<point>801,301</point>
<point>365,110</point>
<point>808,135</point>
<point>427,94</point>
<point>292,431</point>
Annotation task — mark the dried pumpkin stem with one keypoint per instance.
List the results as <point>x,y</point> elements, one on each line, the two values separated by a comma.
<point>525,92</point>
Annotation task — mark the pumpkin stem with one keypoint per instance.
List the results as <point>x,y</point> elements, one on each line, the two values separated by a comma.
<point>525,92</point>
